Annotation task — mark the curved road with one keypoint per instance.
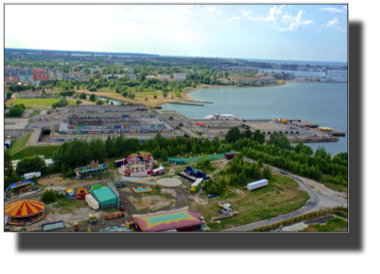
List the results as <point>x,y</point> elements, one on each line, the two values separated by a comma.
<point>318,200</point>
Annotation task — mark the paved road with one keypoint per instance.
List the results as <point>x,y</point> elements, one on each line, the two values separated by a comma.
<point>318,200</point>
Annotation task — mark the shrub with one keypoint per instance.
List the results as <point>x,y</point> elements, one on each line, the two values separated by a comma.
<point>49,196</point>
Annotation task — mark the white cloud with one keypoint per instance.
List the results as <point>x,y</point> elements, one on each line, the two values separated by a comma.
<point>333,10</point>
<point>185,8</point>
<point>273,12</point>
<point>286,16</point>
<point>332,24</point>
<point>219,11</point>
<point>233,18</point>
<point>246,13</point>
<point>204,19</point>
<point>345,7</point>
<point>297,22</point>
<point>212,9</point>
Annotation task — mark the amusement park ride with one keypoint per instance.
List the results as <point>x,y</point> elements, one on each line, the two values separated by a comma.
<point>140,165</point>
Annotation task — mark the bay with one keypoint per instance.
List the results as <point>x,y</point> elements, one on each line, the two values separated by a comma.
<point>322,103</point>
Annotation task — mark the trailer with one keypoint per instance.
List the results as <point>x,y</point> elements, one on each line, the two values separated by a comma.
<point>257,184</point>
<point>157,171</point>
<point>31,175</point>
<point>118,163</point>
<point>92,203</point>
<point>197,185</point>
<point>195,172</point>
<point>230,156</point>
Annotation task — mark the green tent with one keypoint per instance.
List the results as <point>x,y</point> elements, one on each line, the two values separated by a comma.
<point>105,197</point>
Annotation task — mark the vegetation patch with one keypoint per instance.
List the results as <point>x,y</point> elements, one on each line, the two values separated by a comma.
<point>38,103</point>
<point>47,151</point>
<point>18,145</point>
<point>333,225</point>
<point>281,196</point>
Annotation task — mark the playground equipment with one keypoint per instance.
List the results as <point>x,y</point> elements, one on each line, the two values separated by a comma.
<point>70,194</point>
<point>114,216</point>
<point>76,227</point>
<point>93,218</point>
<point>142,189</point>
<point>81,193</point>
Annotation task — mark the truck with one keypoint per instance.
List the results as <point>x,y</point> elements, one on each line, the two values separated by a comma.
<point>196,185</point>
<point>257,184</point>
<point>30,175</point>
<point>226,208</point>
<point>92,203</point>
<point>157,171</point>
<point>120,184</point>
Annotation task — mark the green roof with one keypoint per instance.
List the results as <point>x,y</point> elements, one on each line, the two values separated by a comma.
<point>105,196</point>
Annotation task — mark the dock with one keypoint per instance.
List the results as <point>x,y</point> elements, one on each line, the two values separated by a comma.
<point>186,103</point>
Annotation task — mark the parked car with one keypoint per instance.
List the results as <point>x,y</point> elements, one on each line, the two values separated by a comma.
<point>120,184</point>
<point>283,172</point>
<point>211,195</point>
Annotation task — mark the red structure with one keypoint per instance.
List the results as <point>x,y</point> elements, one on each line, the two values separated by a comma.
<point>39,74</point>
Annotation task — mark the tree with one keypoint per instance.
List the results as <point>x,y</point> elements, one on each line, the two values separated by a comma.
<point>31,164</point>
<point>87,71</point>
<point>99,102</point>
<point>111,103</point>
<point>146,99</point>
<point>258,136</point>
<point>164,155</point>
<point>165,94</point>
<point>83,96</point>
<point>78,102</point>
<point>93,97</point>
<point>233,135</point>
<point>49,196</point>
<point>155,96</point>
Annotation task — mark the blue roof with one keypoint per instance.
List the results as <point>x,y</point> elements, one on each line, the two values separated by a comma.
<point>19,184</point>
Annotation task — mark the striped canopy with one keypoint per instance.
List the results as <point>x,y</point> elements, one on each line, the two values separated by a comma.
<point>25,208</point>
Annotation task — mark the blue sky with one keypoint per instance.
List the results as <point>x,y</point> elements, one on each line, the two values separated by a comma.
<point>280,32</point>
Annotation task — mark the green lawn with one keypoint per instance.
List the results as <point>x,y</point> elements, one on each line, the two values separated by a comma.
<point>18,144</point>
<point>282,195</point>
<point>36,150</point>
<point>37,112</point>
<point>333,225</point>
<point>36,102</point>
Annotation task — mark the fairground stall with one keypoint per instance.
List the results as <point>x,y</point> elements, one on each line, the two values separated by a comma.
<point>25,212</point>
<point>93,169</point>
<point>19,188</point>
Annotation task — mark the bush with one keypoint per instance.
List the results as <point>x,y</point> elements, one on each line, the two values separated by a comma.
<point>49,196</point>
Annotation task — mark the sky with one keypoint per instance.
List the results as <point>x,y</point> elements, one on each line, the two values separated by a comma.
<point>273,32</point>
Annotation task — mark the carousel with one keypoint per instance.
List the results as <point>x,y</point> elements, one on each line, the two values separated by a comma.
<point>25,212</point>
<point>137,165</point>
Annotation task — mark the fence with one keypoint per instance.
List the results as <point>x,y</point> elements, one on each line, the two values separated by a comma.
<point>196,159</point>
<point>297,219</point>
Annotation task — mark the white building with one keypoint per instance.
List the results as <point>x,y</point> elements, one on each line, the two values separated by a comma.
<point>131,76</point>
<point>129,70</point>
<point>180,76</point>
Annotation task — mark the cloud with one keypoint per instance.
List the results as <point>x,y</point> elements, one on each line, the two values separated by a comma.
<point>204,19</point>
<point>212,9</point>
<point>219,11</point>
<point>246,13</point>
<point>332,24</point>
<point>273,12</point>
<point>334,10</point>
<point>297,22</point>
<point>286,16</point>
<point>233,18</point>
<point>185,8</point>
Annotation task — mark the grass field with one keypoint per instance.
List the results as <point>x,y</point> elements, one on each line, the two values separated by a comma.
<point>281,196</point>
<point>18,144</point>
<point>37,103</point>
<point>333,225</point>
<point>35,150</point>
<point>37,112</point>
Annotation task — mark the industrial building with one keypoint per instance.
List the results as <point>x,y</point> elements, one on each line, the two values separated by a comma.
<point>129,120</point>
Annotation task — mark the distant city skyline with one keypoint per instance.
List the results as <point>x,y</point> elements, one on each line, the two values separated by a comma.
<point>268,32</point>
